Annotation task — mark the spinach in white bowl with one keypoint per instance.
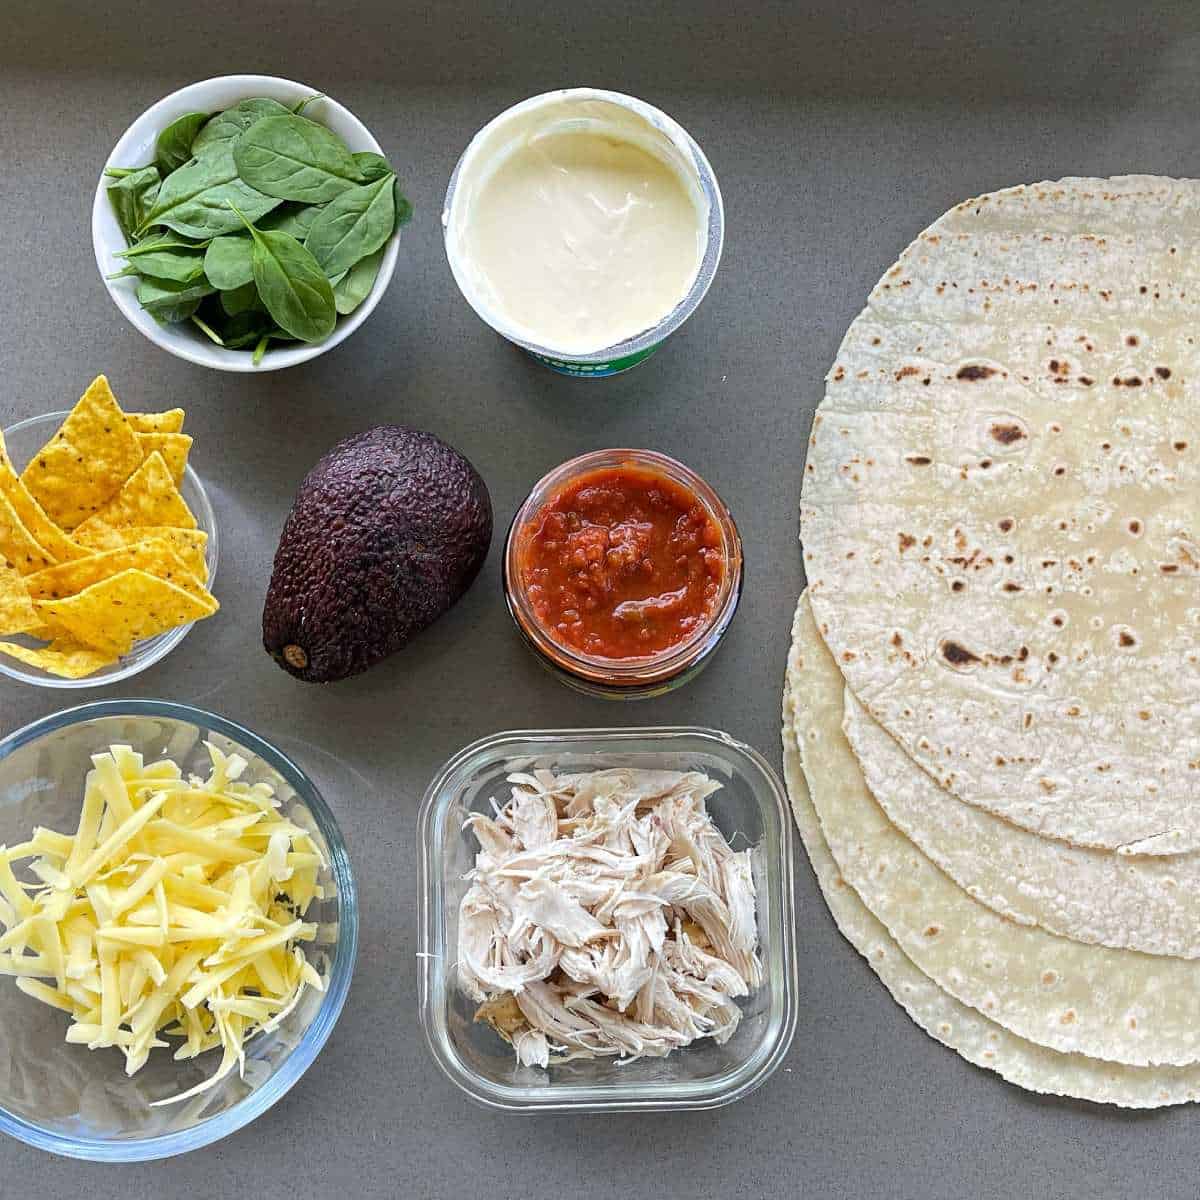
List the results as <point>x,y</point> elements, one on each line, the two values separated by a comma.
<point>255,224</point>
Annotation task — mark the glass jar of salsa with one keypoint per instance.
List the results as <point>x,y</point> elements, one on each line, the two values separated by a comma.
<point>623,570</point>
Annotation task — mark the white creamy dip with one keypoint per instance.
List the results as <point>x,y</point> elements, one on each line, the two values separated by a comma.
<point>577,222</point>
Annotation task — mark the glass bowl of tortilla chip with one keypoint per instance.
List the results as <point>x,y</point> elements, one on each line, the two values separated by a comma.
<point>23,441</point>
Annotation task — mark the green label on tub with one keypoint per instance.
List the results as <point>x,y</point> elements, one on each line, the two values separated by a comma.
<point>597,370</point>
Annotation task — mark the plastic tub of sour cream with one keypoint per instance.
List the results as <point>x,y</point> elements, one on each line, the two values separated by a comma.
<point>585,226</point>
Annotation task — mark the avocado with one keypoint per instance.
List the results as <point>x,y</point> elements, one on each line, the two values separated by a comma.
<point>386,533</point>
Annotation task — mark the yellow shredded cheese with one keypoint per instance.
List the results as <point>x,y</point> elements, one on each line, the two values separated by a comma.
<point>175,909</point>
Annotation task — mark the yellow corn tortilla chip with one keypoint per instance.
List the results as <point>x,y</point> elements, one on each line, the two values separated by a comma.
<point>149,497</point>
<point>85,463</point>
<point>152,555</point>
<point>63,658</point>
<point>173,447</point>
<point>189,544</point>
<point>170,421</point>
<point>123,609</point>
<point>17,545</point>
<point>17,614</point>
<point>29,511</point>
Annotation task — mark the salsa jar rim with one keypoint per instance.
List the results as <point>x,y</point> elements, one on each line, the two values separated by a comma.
<point>638,671</point>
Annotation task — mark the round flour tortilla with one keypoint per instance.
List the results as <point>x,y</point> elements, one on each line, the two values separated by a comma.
<point>1149,903</point>
<point>1116,1005</point>
<point>962,1029</point>
<point>1001,508</point>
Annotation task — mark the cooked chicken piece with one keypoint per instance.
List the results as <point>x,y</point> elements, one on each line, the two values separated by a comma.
<point>504,1015</point>
<point>607,915</point>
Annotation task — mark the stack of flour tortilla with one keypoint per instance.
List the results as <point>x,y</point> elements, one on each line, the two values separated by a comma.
<point>992,707</point>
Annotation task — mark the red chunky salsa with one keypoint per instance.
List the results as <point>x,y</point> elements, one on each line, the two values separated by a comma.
<point>622,562</point>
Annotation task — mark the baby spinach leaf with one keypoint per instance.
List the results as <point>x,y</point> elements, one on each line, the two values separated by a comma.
<point>355,286</point>
<point>226,126</point>
<point>301,105</point>
<point>174,145</point>
<point>292,218</point>
<point>371,166</point>
<point>242,299</point>
<point>353,225</point>
<point>244,330</point>
<point>195,200</point>
<point>168,302</point>
<point>180,265</point>
<point>132,197</point>
<point>227,261</point>
<point>261,348</point>
<point>162,241</point>
<point>295,159</point>
<point>292,285</point>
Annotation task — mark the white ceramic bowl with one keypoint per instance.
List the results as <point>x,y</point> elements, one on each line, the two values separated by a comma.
<point>136,147</point>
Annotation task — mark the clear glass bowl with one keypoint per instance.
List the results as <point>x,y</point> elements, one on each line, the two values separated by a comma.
<point>24,440</point>
<point>79,1102</point>
<point>750,810</point>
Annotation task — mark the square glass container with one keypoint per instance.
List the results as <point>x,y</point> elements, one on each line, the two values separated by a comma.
<point>750,810</point>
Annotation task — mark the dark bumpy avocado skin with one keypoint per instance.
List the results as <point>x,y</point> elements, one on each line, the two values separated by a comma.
<point>387,531</point>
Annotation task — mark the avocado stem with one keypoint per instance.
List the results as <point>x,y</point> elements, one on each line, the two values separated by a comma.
<point>295,656</point>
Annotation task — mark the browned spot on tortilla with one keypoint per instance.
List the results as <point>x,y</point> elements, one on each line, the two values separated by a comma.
<point>905,372</point>
<point>957,655</point>
<point>957,585</point>
<point>1168,568</point>
<point>1126,638</point>
<point>1135,527</point>
<point>1005,525</point>
<point>1013,587</point>
<point>1087,381</point>
<point>1131,340</point>
<point>1007,434</point>
<point>1048,786</point>
<point>1068,1018</point>
<point>919,460</point>
<point>1180,447</point>
<point>1163,372</point>
<point>973,372</point>
<point>906,541</point>
<point>897,640</point>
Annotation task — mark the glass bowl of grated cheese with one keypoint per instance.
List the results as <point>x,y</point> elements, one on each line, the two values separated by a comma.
<point>227,834</point>
<point>662,1008</point>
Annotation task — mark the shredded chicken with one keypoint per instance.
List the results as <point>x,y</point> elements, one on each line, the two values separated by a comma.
<point>607,915</point>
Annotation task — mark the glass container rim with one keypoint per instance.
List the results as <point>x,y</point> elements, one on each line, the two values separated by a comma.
<point>341,970</point>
